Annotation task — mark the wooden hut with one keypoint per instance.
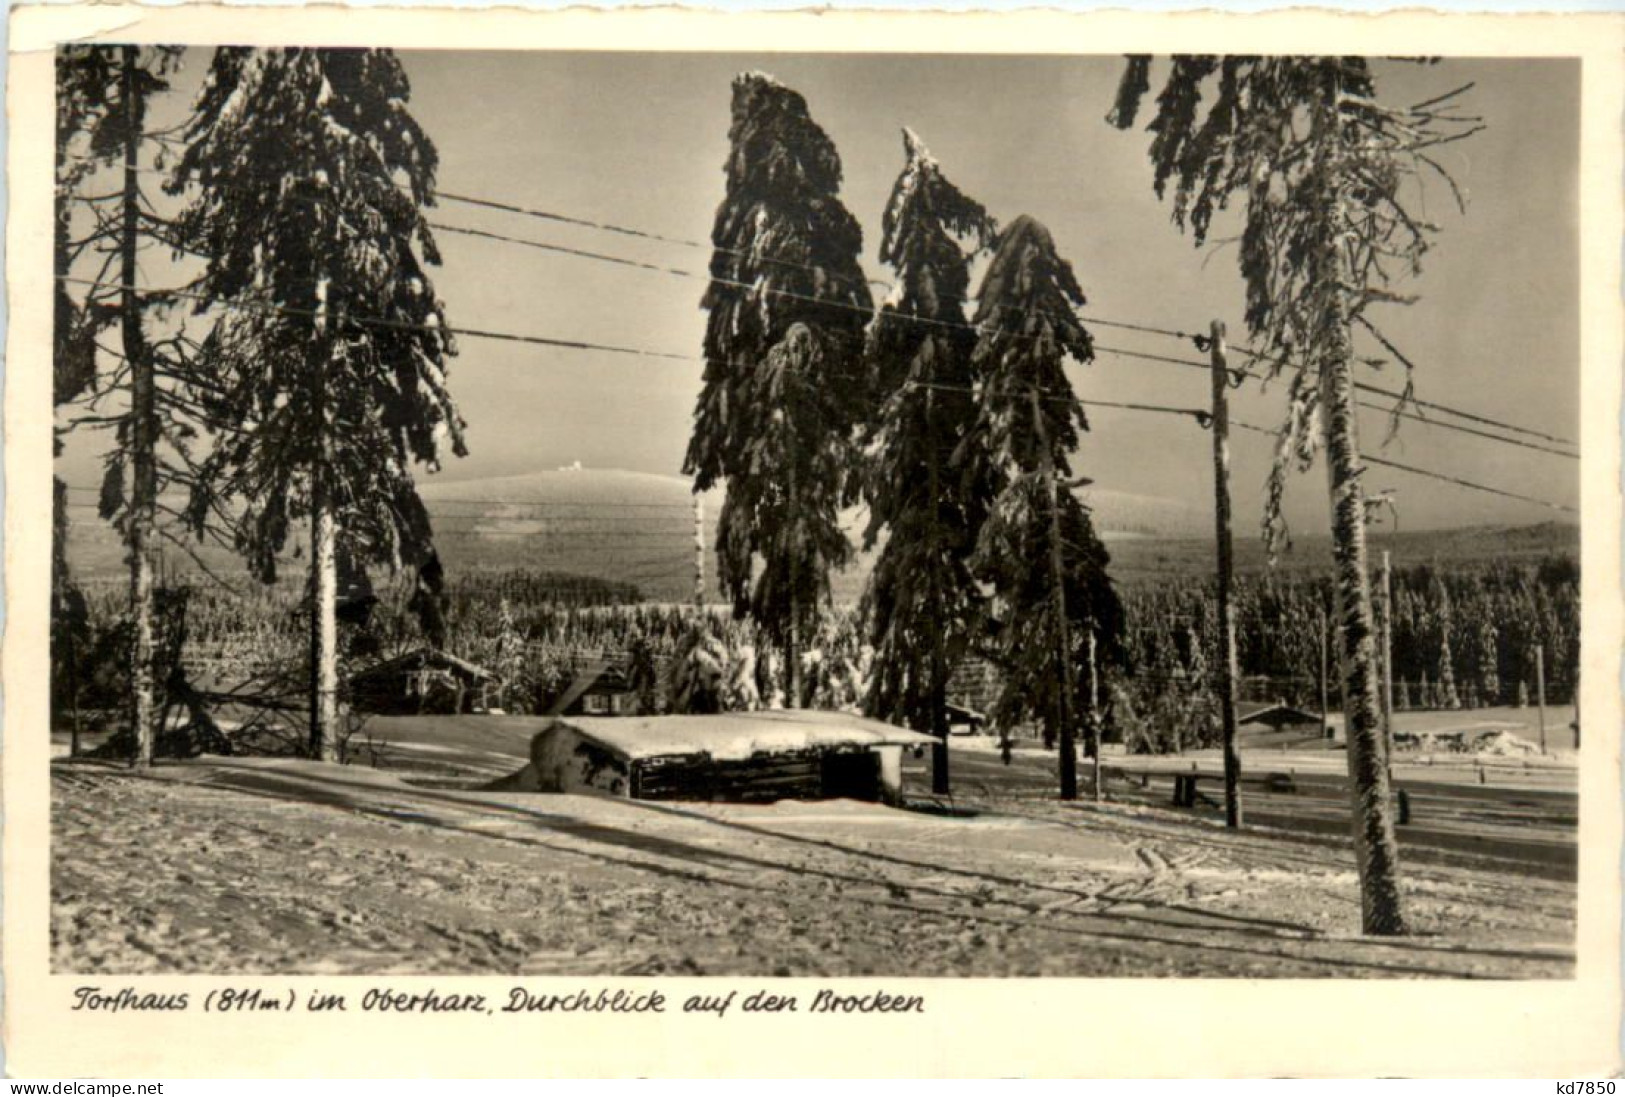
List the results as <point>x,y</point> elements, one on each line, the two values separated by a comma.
<point>600,688</point>
<point>1274,716</point>
<point>738,756</point>
<point>425,680</point>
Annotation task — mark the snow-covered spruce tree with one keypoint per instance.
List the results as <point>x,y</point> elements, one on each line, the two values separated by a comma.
<point>785,510</point>
<point>925,492</point>
<point>311,180</point>
<point>696,676</point>
<point>1445,622</point>
<point>783,390</point>
<point>508,654</point>
<point>1329,174</point>
<point>1489,661</point>
<point>86,92</point>
<point>103,97</point>
<point>1038,547</point>
<point>84,83</point>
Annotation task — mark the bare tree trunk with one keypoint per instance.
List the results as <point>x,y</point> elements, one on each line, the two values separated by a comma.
<point>324,625</point>
<point>1063,626</point>
<point>1375,847</point>
<point>792,647</point>
<point>1096,782</point>
<point>324,682</point>
<point>938,679</point>
<point>143,422</point>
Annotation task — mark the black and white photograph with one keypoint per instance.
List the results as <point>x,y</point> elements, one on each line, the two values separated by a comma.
<point>864,517</point>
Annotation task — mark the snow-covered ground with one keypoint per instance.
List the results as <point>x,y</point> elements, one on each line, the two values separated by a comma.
<point>224,865</point>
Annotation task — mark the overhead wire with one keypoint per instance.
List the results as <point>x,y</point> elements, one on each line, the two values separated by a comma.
<point>641,352</point>
<point>581,345</point>
<point>1429,474</point>
<point>1197,339</point>
<point>1087,319</point>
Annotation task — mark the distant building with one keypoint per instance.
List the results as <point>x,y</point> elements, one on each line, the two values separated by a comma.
<point>600,688</point>
<point>425,680</point>
<point>965,721</point>
<point>1275,716</point>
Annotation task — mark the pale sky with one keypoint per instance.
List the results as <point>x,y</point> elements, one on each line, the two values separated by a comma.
<point>639,140</point>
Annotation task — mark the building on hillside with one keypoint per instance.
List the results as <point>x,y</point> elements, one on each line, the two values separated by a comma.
<point>601,687</point>
<point>973,685</point>
<point>963,720</point>
<point>1274,716</point>
<point>750,757</point>
<point>425,680</point>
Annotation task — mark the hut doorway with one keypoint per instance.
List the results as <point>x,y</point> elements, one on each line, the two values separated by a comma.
<point>851,775</point>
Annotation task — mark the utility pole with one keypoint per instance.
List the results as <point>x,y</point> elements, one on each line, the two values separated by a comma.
<point>1575,699</point>
<point>699,552</point>
<point>1063,628</point>
<point>1227,624</point>
<point>1387,587</point>
<point>1094,717</point>
<point>1540,691</point>
<point>1325,672</point>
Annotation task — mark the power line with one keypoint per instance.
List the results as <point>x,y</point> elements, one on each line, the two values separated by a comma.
<point>1197,413</point>
<point>582,253</point>
<point>477,333</point>
<point>580,345</point>
<point>979,329</point>
<point>1198,340</point>
<point>1431,475</point>
<point>1460,428</point>
<point>601,226</point>
<point>394,325</point>
<point>867,311</point>
<point>1407,398</point>
<point>1470,416</point>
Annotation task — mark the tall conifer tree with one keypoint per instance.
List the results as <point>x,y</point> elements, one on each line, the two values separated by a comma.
<point>103,97</point>
<point>1329,174</point>
<point>84,92</point>
<point>927,492</point>
<point>1038,547</point>
<point>312,179</point>
<point>783,389</point>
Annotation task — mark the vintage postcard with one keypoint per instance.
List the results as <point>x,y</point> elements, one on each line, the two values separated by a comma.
<point>678,543</point>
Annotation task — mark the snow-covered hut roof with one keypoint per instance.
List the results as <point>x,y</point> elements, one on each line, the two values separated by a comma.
<point>1273,712</point>
<point>735,736</point>
<point>593,672</point>
<point>424,657</point>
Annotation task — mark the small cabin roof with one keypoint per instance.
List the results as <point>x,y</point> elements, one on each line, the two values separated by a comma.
<point>591,674</point>
<point>418,658</point>
<point>739,735</point>
<point>1257,711</point>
